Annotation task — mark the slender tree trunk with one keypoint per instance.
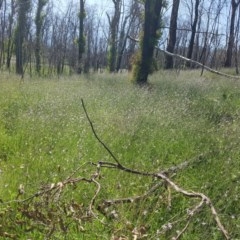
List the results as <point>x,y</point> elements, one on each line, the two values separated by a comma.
<point>23,8</point>
<point>228,61</point>
<point>114,24</point>
<point>122,44</point>
<point>236,44</point>
<point>10,37</point>
<point>1,2</point>
<point>39,23</point>
<point>88,58</point>
<point>3,29</point>
<point>148,42</point>
<point>81,40</point>
<point>193,28</point>
<point>172,34</point>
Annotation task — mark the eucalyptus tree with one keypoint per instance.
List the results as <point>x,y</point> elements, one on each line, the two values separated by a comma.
<point>1,3</point>
<point>39,24</point>
<point>24,7</point>
<point>237,44</point>
<point>211,36</point>
<point>234,6</point>
<point>194,21</point>
<point>3,28</point>
<point>91,30</point>
<point>114,26</point>
<point>132,13</point>
<point>10,42</point>
<point>57,41</point>
<point>172,33</point>
<point>148,41</point>
<point>81,38</point>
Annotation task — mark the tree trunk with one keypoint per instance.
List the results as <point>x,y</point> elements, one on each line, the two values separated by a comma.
<point>228,61</point>
<point>24,7</point>
<point>143,64</point>
<point>1,2</point>
<point>114,24</point>
<point>81,40</point>
<point>3,29</point>
<point>88,59</point>
<point>172,34</point>
<point>39,23</point>
<point>193,28</point>
<point>10,33</point>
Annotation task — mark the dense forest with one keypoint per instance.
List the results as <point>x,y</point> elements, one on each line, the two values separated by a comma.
<point>37,36</point>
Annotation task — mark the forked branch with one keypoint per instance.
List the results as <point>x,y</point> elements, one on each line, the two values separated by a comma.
<point>161,176</point>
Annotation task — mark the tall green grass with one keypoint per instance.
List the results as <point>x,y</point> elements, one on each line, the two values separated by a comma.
<point>45,136</point>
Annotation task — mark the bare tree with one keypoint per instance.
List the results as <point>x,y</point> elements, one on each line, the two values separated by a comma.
<point>128,21</point>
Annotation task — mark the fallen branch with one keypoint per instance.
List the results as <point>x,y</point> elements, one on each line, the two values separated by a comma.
<point>168,171</point>
<point>107,203</point>
<point>199,64</point>
<point>192,61</point>
<point>204,199</point>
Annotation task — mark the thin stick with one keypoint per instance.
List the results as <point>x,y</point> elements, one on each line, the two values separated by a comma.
<point>99,140</point>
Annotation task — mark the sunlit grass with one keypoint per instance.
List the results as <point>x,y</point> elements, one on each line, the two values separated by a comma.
<point>44,136</point>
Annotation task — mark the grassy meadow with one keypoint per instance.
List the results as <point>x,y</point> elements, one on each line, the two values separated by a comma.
<point>45,138</point>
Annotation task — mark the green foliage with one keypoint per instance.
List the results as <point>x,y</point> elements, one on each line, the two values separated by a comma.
<point>45,137</point>
<point>136,60</point>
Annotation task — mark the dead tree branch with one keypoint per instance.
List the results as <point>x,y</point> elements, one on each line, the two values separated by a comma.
<point>161,176</point>
<point>192,61</point>
<point>96,136</point>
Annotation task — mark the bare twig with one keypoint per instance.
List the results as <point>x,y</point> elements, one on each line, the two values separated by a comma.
<point>99,140</point>
<point>181,232</point>
<point>108,203</point>
<point>94,177</point>
<point>204,199</point>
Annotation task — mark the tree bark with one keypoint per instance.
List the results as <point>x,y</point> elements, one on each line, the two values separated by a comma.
<point>143,64</point>
<point>193,28</point>
<point>81,40</point>
<point>114,24</point>
<point>10,34</point>
<point>228,61</point>
<point>39,23</point>
<point>172,34</point>
<point>24,7</point>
